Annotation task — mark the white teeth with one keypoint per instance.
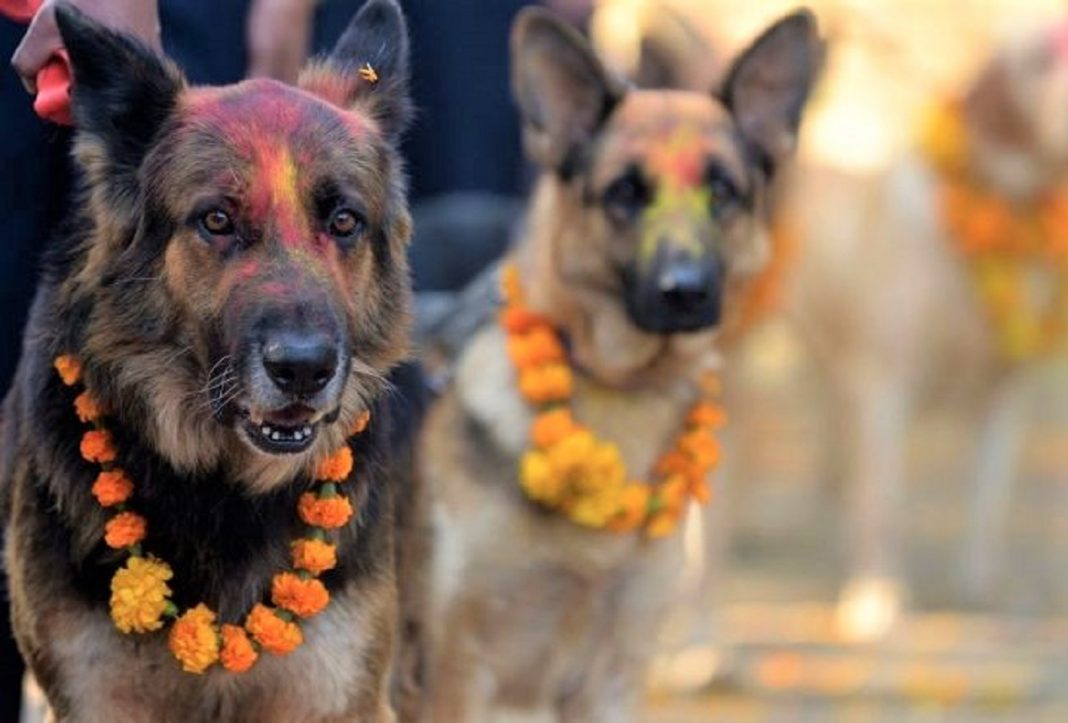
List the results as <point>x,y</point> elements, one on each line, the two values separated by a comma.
<point>286,435</point>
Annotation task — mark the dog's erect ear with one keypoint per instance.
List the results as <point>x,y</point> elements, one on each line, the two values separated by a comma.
<point>563,91</point>
<point>768,85</point>
<point>368,67</point>
<point>122,93</point>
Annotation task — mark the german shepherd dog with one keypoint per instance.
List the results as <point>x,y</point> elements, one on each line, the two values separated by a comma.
<point>234,283</point>
<point>529,614</point>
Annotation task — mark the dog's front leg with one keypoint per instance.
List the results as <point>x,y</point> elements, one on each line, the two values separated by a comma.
<point>997,457</point>
<point>876,406</point>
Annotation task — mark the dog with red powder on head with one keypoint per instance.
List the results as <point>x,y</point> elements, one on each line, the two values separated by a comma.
<point>198,477</point>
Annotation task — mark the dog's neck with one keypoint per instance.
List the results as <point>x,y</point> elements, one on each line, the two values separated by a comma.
<point>605,344</point>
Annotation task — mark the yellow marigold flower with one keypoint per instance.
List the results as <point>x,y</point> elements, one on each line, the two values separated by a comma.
<point>87,408</point>
<point>125,529</point>
<point>662,524</point>
<point>303,598</point>
<point>237,654</point>
<point>98,446</point>
<point>194,640</point>
<point>595,509</point>
<point>511,289</point>
<point>328,513</point>
<point>361,423</point>
<point>69,368</point>
<point>538,478</point>
<point>551,427</point>
<point>315,556</point>
<point>274,634</point>
<point>139,594</point>
<point>112,487</point>
<point>336,467</point>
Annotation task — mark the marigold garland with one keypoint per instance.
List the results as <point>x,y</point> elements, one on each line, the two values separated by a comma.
<point>1003,242</point>
<point>568,468</point>
<point>140,596</point>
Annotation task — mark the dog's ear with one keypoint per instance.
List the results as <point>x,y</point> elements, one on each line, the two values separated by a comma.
<point>768,85</point>
<point>122,94</point>
<point>563,91</point>
<point>368,67</point>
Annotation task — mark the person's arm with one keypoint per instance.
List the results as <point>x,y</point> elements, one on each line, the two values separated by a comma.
<point>279,37</point>
<point>42,40</point>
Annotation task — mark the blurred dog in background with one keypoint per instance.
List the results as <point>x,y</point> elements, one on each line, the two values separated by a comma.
<point>647,225</point>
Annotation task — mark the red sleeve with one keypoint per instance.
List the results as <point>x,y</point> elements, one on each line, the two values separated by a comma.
<point>21,11</point>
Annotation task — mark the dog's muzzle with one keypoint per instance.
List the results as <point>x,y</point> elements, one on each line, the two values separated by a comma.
<point>676,294</point>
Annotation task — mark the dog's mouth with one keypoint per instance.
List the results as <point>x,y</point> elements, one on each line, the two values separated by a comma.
<point>290,430</point>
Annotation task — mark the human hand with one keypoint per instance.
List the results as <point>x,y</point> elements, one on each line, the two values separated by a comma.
<point>279,37</point>
<point>42,40</point>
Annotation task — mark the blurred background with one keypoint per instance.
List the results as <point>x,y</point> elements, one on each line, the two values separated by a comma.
<point>764,636</point>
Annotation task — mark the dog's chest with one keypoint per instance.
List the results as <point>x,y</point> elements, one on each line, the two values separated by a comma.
<point>642,423</point>
<point>141,681</point>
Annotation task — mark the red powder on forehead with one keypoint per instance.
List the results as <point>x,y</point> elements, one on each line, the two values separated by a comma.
<point>678,157</point>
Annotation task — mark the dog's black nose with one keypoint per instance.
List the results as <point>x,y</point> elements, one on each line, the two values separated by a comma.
<point>686,286</point>
<point>300,363</point>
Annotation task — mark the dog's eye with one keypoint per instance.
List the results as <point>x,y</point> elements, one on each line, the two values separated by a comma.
<point>217,222</point>
<point>627,196</point>
<point>724,193</point>
<point>345,222</point>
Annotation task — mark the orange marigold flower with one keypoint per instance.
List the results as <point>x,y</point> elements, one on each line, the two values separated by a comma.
<point>124,529</point>
<point>549,383</point>
<point>672,494</point>
<point>702,448</point>
<point>274,634</point>
<point>328,513</point>
<point>98,446</point>
<point>519,319</point>
<point>633,508</point>
<point>700,491</point>
<point>551,427</point>
<point>361,423</point>
<point>707,414</point>
<point>87,408</point>
<point>315,556</point>
<point>69,368</point>
<point>194,640</point>
<point>139,594</point>
<point>237,654</point>
<point>538,346</point>
<point>303,598</point>
<point>112,487</point>
<point>336,467</point>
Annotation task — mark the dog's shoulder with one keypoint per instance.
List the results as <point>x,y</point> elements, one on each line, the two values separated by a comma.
<point>485,387</point>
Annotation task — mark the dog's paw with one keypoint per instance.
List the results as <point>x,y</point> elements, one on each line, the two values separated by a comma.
<point>868,608</point>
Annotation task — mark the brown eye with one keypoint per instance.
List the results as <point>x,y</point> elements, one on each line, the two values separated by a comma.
<point>345,223</point>
<point>217,222</point>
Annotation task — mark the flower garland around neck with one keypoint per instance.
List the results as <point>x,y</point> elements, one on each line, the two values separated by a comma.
<point>140,596</point>
<point>1016,250</point>
<point>569,469</point>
